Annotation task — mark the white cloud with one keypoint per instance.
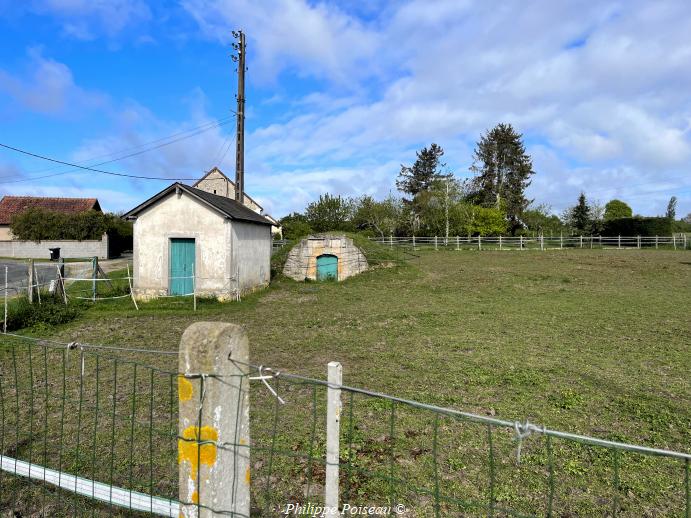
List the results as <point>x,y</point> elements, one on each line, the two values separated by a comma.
<point>87,19</point>
<point>318,40</point>
<point>47,86</point>
<point>601,86</point>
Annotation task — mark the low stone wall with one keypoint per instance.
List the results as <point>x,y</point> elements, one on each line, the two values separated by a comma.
<point>68,249</point>
<point>301,263</point>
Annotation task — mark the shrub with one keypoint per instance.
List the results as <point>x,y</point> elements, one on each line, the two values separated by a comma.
<point>36,224</point>
<point>638,226</point>
<point>50,312</point>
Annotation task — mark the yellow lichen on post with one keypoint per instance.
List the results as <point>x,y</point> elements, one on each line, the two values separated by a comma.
<point>185,389</point>
<point>197,454</point>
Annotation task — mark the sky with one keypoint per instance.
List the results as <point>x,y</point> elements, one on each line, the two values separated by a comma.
<point>341,93</point>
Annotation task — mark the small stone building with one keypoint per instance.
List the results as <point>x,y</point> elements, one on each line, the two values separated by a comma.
<point>187,240</point>
<point>323,257</point>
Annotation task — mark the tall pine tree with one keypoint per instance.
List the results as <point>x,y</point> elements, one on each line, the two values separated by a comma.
<point>503,170</point>
<point>580,215</point>
<point>423,173</point>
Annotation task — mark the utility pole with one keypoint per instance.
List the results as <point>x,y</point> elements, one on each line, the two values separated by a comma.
<point>239,46</point>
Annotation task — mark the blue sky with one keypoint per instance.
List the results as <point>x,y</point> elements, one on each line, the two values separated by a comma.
<point>341,93</point>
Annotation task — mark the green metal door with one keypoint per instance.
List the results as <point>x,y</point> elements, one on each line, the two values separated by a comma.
<point>327,267</point>
<point>181,266</point>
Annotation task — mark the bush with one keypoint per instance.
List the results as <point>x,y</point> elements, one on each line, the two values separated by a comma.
<point>638,226</point>
<point>50,312</point>
<point>36,224</point>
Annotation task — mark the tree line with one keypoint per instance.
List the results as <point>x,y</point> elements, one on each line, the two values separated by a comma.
<point>432,201</point>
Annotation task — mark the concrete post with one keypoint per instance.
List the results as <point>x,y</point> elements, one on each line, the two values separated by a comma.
<point>4,326</point>
<point>479,242</point>
<point>458,243</point>
<point>674,241</point>
<point>581,240</point>
<point>333,432</point>
<point>214,411</point>
<point>521,241</point>
<point>619,241</point>
<point>638,240</point>
<point>499,241</point>
<point>561,241</point>
<point>435,243</point>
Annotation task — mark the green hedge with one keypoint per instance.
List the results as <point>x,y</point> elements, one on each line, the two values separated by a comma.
<point>638,226</point>
<point>36,224</point>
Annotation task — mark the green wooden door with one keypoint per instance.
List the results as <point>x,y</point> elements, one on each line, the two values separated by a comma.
<point>327,267</point>
<point>181,266</point>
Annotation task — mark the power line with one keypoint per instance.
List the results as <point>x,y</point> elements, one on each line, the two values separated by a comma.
<point>136,153</point>
<point>85,168</point>
<point>195,130</point>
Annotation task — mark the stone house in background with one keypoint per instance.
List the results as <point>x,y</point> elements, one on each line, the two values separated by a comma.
<point>10,206</point>
<point>216,182</point>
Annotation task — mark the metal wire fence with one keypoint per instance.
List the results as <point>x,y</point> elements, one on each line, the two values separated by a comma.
<point>105,423</point>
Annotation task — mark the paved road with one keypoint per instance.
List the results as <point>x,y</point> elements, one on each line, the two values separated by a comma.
<point>18,271</point>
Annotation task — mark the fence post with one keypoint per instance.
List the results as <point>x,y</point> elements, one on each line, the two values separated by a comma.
<point>435,243</point>
<point>561,241</point>
<point>333,432</point>
<point>674,241</point>
<point>4,326</point>
<point>619,241</point>
<point>213,412</point>
<point>499,241</point>
<point>458,243</point>
<point>656,242</point>
<point>31,281</point>
<point>194,288</point>
<point>542,242</point>
<point>94,276</point>
<point>581,240</point>
<point>413,242</point>
<point>638,241</point>
<point>479,242</point>
<point>390,240</point>
<point>521,241</point>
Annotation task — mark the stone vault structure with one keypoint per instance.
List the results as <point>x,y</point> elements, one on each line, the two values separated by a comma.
<point>320,255</point>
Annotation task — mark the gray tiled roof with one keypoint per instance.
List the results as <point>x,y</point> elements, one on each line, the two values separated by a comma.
<point>226,206</point>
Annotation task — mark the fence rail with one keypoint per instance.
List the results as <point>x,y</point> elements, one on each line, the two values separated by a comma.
<point>536,242</point>
<point>108,429</point>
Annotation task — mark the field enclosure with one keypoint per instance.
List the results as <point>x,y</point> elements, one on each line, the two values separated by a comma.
<point>591,342</point>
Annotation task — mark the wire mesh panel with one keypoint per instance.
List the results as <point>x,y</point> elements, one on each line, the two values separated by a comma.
<point>108,425</point>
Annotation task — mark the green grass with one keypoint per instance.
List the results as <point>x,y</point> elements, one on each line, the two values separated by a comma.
<point>592,342</point>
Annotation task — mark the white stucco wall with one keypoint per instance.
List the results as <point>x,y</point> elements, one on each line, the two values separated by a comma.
<point>180,216</point>
<point>251,251</point>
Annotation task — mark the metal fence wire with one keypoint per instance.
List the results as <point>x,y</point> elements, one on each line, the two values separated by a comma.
<point>103,425</point>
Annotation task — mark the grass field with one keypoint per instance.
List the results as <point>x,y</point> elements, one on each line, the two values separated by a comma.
<point>592,342</point>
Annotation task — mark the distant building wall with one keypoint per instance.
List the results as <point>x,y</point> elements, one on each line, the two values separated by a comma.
<point>217,183</point>
<point>5,233</point>
<point>301,263</point>
<point>69,249</point>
